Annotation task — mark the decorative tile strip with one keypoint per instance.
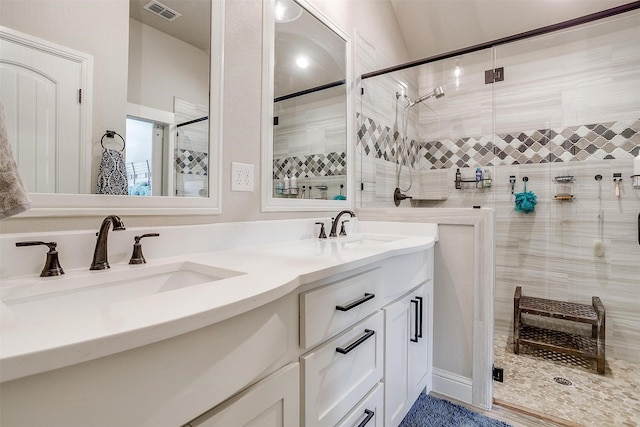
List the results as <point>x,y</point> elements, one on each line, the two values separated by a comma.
<point>330,164</point>
<point>382,143</point>
<point>599,141</point>
<point>190,162</point>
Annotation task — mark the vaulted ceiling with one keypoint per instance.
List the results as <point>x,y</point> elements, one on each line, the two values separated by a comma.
<point>430,27</point>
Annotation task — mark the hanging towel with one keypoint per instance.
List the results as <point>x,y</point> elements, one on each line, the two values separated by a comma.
<point>112,175</point>
<point>13,194</point>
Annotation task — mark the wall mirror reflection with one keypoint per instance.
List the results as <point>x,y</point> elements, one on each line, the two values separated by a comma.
<point>133,65</point>
<point>305,158</point>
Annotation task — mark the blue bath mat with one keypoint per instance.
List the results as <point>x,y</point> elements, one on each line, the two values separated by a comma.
<point>430,411</point>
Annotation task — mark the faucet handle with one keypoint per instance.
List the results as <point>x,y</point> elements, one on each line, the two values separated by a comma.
<point>343,232</point>
<point>52,265</point>
<point>323,234</point>
<point>137,257</point>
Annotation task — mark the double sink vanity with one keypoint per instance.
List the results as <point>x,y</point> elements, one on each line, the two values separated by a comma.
<point>225,324</point>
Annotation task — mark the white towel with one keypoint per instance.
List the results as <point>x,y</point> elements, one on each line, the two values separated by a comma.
<point>13,194</point>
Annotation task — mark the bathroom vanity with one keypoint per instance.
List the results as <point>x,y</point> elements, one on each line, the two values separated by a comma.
<point>290,332</point>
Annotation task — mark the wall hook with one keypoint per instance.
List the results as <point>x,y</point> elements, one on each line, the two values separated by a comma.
<point>512,181</point>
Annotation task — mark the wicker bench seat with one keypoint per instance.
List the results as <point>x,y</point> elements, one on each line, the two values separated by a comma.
<point>592,347</point>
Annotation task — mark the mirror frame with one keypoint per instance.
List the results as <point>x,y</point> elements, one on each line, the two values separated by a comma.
<point>59,205</point>
<point>275,204</point>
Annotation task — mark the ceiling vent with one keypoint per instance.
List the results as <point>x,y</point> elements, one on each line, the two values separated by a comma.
<point>162,10</point>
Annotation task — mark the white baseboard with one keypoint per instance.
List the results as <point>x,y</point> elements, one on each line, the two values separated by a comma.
<point>452,385</point>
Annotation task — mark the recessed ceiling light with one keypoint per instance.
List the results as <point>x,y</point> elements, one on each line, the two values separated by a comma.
<point>302,62</point>
<point>287,11</point>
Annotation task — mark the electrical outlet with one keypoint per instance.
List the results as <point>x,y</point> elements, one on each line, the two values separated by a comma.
<point>498,374</point>
<point>242,176</point>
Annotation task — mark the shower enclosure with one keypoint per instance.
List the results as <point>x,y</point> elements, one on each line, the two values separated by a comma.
<point>557,114</point>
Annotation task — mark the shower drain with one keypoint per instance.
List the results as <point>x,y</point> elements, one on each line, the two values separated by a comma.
<point>562,381</point>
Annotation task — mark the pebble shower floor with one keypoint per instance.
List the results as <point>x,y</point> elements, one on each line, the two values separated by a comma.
<point>612,399</point>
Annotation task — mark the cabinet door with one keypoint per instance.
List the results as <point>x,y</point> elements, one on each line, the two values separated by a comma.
<point>398,329</point>
<point>421,352</point>
<point>272,402</point>
<point>407,352</point>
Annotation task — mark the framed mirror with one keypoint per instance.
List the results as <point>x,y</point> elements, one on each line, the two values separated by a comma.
<point>143,69</point>
<point>307,110</point>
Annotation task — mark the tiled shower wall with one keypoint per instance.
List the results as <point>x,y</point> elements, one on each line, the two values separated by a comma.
<point>569,105</point>
<point>309,140</point>
<point>192,150</point>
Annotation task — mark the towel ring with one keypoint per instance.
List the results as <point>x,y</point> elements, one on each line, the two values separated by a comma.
<point>111,134</point>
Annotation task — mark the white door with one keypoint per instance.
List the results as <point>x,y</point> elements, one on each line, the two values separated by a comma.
<point>47,121</point>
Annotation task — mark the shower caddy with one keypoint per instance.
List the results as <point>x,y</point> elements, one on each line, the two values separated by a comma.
<point>559,341</point>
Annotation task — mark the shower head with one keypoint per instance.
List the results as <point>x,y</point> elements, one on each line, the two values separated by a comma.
<point>438,92</point>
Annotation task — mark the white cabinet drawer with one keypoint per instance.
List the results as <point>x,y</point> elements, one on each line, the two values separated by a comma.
<point>328,310</point>
<point>335,382</point>
<point>369,413</point>
<point>272,402</point>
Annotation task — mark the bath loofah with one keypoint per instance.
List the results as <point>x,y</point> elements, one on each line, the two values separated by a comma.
<point>526,201</point>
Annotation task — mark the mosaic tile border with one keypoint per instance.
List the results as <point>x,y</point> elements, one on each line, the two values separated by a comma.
<point>191,162</point>
<point>381,142</point>
<point>599,141</point>
<point>314,165</point>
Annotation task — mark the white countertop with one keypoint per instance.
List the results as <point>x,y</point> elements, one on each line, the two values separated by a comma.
<point>31,345</point>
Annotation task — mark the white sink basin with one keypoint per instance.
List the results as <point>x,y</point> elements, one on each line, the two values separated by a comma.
<point>47,297</point>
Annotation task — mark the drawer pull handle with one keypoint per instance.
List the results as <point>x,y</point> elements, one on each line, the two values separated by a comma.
<point>420,307</point>
<point>368,333</point>
<point>355,303</point>
<point>370,414</point>
<point>415,335</point>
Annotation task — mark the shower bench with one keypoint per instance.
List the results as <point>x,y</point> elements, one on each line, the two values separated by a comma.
<point>559,341</point>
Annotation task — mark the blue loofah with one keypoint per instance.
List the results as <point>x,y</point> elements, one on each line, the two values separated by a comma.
<point>526,202</point>
<point>339,197</point>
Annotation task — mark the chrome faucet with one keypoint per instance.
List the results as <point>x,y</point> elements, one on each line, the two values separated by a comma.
<point>100,253</point>
<point>336,221</point>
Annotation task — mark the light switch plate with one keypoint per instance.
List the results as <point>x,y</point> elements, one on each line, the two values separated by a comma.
<point>242,176</point>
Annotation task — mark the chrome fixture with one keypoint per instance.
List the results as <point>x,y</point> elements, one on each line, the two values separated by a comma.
<point>52,265</point>
<point>100,261</point>
<point>438,92</point>
<point>336,221</point>
<point>137,257</point>
<point>398,196</point>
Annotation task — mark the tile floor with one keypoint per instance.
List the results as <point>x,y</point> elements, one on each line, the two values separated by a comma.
<point>612,399</point>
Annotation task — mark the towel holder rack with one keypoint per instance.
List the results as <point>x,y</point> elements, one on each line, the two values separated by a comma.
<point>111,134</point>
